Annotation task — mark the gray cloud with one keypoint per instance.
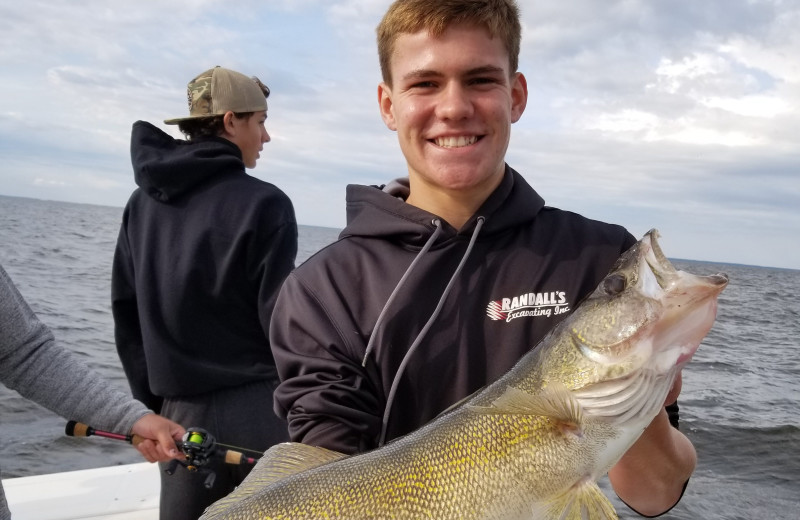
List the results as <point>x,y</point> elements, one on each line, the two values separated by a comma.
<point>681,115</point>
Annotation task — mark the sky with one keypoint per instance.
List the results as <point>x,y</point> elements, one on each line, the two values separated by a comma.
<point>680,115</point>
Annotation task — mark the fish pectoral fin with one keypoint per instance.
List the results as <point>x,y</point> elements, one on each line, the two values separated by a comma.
<point>279,462</point>
<point>554,401</point>
<point>585,501</point>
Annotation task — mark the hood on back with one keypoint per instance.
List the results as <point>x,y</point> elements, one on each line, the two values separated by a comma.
<point>381,211</point>
<point>165,167</point>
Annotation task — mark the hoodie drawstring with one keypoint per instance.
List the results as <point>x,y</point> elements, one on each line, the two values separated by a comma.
<point>428,324</point>
<point>379,321</point>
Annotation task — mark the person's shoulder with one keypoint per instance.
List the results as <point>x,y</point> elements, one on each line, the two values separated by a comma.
<point>255,189</point>
<point>584,231</point>
<point>341,258</point>
<point>255,183</point>
<point>137,198</point>
<point>577,220</point>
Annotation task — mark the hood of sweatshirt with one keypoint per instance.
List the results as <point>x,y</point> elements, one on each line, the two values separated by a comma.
<point>381,211</point>
<point>165,167</point>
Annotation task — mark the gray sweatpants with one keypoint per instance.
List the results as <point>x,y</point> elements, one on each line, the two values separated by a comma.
<point>240,416</point>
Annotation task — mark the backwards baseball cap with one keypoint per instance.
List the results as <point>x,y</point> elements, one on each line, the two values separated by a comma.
<point>219,90</point>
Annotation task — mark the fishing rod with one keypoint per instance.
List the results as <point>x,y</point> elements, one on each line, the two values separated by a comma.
<point>198,446</point>
<point>76,429</point>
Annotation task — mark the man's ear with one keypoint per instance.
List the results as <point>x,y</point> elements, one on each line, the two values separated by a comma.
<point>229,128</point>
<point>386,106</point>
<point>519,96</point>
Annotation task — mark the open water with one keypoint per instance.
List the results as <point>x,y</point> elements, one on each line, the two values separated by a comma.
<point>740,403</point>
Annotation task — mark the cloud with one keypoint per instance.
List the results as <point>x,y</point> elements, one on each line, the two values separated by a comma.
<point>681,115</point>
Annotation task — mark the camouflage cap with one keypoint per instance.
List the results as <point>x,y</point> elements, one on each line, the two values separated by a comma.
<point>219,90</point>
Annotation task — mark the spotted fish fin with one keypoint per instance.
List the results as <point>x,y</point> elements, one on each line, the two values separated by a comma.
<point>585,501</point>
<point>554,401</point>
<point>289,458</point>
<point>279,462</point>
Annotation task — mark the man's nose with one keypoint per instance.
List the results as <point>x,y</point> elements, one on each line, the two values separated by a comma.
<point>454,102</point>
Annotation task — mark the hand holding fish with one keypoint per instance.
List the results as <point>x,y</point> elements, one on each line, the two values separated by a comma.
<point>651,476</point>
<point>633,478</point>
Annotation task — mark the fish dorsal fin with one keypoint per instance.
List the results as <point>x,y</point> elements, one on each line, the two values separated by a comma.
<point>584,501</point>
<point>279,462</point>
<point>554,401</point>
<point>289,458</point>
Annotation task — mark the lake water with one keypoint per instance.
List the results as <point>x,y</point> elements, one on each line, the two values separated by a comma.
<point>740,403</point>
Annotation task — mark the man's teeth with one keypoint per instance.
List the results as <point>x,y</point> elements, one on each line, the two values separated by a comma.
<point>455,142</point>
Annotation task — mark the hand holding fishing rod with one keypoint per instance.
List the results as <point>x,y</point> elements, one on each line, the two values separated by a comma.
<point>154,436</point>
<point>197,445</point>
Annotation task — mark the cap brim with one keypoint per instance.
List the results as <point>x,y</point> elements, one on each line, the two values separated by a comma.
<point>176,120</point>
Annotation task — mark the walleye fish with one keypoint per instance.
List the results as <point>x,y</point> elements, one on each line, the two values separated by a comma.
<point>530,445</point>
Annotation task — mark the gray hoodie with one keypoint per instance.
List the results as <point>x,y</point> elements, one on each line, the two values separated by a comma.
<point>32,364</point>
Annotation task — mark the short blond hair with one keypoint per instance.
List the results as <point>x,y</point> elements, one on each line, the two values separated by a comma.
<point>499,17</point>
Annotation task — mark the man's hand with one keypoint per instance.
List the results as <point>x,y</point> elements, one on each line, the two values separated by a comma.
<point>158,435</point>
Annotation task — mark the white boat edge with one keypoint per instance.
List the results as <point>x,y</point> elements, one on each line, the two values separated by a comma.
<point>125,492</point>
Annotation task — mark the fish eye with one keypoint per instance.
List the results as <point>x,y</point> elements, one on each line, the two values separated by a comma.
<point>614,284</point>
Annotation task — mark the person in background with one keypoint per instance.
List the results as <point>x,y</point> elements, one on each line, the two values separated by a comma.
<point>33,364</point>
<point>417,305</point>
<point>202,251</point>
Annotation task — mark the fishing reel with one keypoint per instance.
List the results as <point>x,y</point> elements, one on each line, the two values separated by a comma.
<point>198,446</point>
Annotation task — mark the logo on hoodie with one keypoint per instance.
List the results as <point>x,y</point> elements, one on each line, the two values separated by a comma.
<point>545,304</point>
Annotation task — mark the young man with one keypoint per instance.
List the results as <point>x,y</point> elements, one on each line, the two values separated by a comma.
<point>43,371</point>
<point>202,251</point>
<point>413,308</point>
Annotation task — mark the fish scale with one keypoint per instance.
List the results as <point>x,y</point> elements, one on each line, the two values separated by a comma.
<point>479,447</point>
<point>530,445</point>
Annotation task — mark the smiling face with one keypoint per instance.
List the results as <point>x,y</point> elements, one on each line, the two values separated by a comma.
<point>452,102</point>
<point>248,133</point>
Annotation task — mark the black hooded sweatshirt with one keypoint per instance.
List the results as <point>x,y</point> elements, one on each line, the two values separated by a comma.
<point>529,267</point>
<point>201,254</point>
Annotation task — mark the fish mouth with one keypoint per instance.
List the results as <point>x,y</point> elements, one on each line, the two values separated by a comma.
<point>689,305</point>
<point>671,279</point>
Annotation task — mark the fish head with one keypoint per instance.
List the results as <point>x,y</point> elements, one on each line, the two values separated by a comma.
<point>635,332</point>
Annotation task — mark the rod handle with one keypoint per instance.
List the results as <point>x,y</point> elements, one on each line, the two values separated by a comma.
<point>76,429</point>
<point>237,458</point>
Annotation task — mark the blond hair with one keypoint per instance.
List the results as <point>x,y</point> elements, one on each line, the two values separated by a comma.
<point>499,17</point>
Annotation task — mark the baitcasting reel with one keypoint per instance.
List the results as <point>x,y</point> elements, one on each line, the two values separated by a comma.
<point>199,447</point>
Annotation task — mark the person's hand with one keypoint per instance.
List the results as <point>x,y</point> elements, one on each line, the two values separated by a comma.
<point>675,391</point>
<point>157,438</point>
